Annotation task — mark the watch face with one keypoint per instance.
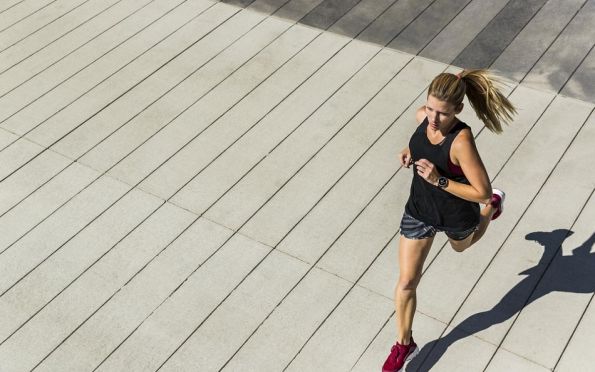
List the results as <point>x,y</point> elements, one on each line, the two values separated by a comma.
<point>442,182</point>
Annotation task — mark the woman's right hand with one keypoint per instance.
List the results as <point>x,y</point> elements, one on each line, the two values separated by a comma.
<point>405,157</point>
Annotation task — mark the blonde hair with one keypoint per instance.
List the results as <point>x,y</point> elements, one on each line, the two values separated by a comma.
<point>482,90</point>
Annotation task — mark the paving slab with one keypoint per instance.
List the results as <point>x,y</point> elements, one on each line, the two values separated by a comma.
<point>44,17</point>
<point>427,25</point>
<point>339,209</point>
<point>57,229</point>
<point>152,100</point>
<point>581,83</point>
<point>282,59</point>
<point>535,38</point>
<point>25,304</point>
<point>577,355</point>
<point>509,293</point>
<point>328,13</point>
<point>309,302</point>
<point>464,355</point>
<point>498,34</point>
<point>112,271</point>
<point>158,149</point>
<point>141,295</point>
<point>251,115</point>
<point>184,164</point>
<point>339,341</point>
<point>9,4</point>
<point>22,11</point>
<point>31,65</point>
<point>462,30</point>
<point>30,104</point>
<point>183,85</point>
<point>505,360</point>
<point>168,326</point>
<point>208,186</point>
<point>373,357</point>
<point>6,137</point>
<point>146,53</point>
<point>306,141</point>
<point>18,221</point>
<point>393,21</point>
<point>293,10</point>
<point>559,299</point>
<point>360,16</point>
<point>273,221</point>
<point>35,174</point>
<point>55,30</point>
<point>558,64</point>
<point>224,332</point>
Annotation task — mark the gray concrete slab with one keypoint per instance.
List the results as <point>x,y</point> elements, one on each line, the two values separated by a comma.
<point>310,301</point>
<point>69,43</point>
<point>53,232</point>
<point>224,332</point>
<point>38,206</point>
<point>280,61</point>
<point>393,21</point>
<point>19,186</point>
<point>270,224</point>
<point>582,84</point>
<point>535,38</point>
<point>492,314</point>
<point>231,166</point>
<point>33,293</point>
<point>462,30</point>
<point>159,148</point>
<point>49,17</point>
<point>72,77</point>
<point>349,338</point>
<point>22,11</point>
<point>558,64</point>
<point>377,351</point>
<point>506,360</point>
<point>289,134</point>
<point>577,354</point>
<point>427,25</point>
<point>328,12</point>
<point>264,180</point>
<point>149,347</point>
<point>498,34</point>
<point>360,16</point>
<point>113,270</point>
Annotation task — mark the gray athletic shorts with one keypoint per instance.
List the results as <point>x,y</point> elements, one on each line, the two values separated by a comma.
<point>412,228</point>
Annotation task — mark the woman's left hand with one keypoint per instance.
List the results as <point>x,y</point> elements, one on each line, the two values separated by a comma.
<point>427,170</point>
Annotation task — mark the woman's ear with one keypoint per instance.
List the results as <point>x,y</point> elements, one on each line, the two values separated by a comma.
<point>459,108</point>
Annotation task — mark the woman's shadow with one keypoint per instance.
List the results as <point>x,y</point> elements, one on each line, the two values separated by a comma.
<point>573,273</point>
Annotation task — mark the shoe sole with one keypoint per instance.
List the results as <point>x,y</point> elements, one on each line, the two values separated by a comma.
<point>502,196</point>
<point>408,359</point>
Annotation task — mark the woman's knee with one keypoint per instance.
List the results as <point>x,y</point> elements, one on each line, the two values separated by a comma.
<point>458,246</point>
<point>408,283</point>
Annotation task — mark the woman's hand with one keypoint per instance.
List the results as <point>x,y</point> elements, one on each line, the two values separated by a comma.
<point>427,170</point>
<point>405,157</point>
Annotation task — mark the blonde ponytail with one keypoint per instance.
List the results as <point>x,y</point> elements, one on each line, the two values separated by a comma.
<point>482,90</point>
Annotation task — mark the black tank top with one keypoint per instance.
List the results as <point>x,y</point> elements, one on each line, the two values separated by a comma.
<point>429,203</point>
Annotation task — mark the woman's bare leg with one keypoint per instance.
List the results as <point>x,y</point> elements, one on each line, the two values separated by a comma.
<point>485,217</point>
<point>412,254</point>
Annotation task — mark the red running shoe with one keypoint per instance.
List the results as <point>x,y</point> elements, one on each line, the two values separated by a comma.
<point>399,355</point>
<point>497,201</point>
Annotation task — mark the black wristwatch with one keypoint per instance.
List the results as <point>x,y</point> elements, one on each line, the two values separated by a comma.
<point>442,182</point>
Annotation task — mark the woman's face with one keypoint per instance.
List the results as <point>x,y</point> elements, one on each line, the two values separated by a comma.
<point>441,114</point>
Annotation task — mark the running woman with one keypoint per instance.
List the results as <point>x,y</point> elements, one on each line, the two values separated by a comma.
<point>449,182</point>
